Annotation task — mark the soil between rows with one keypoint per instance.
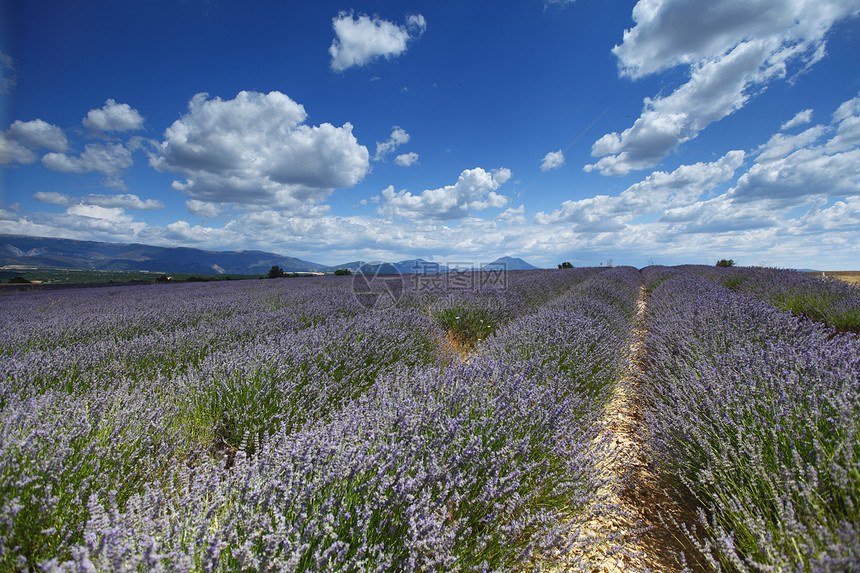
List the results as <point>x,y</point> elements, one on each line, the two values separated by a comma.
<point>637,532</point>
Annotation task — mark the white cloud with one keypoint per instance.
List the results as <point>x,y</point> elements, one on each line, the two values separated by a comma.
<point>113,117</point>
<point>122,201</point>
<point>729,47</point>
<point>203,209</point>
<point>847,110</point>
<point>12,152</point>
<point>720,215</point>
<point>799,177</point>
<point>114,214</point>
<point>38,134</point>
<point>474,189</point>
<point>840,217</point>
<point>658,191</point>
<point>110,160</point>
<point>686,32</point>
<point>53,198</point>
<point>398,137</point>
<point>552,160</point>
<point>848,129</point>
<point>793,170</point>
<point>255,151</point>
<point>781,145</point>
<point>361,40</point>
<point>513,216</point>
<point>406,159</point>
<point>802,118</point>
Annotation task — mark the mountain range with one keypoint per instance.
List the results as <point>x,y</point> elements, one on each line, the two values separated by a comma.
<point>43,252</point>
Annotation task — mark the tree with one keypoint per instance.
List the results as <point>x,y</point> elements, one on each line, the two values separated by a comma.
<point>565,265</point>
<point>342,272</point>
<point>726,263</point>
<point>276,272</point>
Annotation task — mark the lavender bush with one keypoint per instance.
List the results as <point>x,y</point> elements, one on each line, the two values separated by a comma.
<point>822,299</point>
<point>756,412</point>
<point>280,425</point>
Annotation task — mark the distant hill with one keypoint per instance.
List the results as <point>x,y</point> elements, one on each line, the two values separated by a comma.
<point>407,267</point>
<point>43,252</point>
<point>510,264</point>
<point>90,255</point>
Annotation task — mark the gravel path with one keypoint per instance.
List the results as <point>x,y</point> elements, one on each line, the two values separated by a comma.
<point>632,534</point>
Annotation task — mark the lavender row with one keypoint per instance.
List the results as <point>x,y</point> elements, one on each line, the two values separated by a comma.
<point>828,300</point>
<point>210,371</point>
<point>756,412</point>
<point>71,317</point>
<point>460,467</point>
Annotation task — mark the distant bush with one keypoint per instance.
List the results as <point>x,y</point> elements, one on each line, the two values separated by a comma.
<point>726,263</point>
<point>19,280</point>
<point>342,272</point>
<point>565,265</point>
<point>162,279</point>
<point>276,272</point>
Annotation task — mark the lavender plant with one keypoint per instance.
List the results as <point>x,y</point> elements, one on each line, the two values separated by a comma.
<point>825,300</point>
<point>755,411</point>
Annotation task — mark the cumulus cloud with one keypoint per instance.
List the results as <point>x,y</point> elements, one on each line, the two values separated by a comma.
<point>731,48</point>
<point>255,151</point>
<point>781,145</point>
<point>720,215</point>
<point>802,118</point>
<point>203,209</point>
<point>53,198</point>
<point>398,137</point>
<point>122,200</point>
<point>474,189</point>
<point>38,134</point>
<point>362,39</point>
<point>847,119</point>
<point>513,216</point>
<point>13,153</point>
<point>113,117</point>
<point>658,191</point>
<point>110,160</point>
<point>552,160</point>
<point>792,170</point>
<point>406,159</point>
<point>840,217</point>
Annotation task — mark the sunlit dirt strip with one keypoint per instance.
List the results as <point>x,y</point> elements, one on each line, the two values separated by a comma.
<point>630,534</point>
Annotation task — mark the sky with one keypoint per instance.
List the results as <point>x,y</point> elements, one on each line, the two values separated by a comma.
<point>626,133</point>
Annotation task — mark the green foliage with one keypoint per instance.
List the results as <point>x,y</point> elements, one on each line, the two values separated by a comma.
<point>342,272</point>
<point>565,265</point>
<point>19,280</point>
<point>469,324</point>
<point>276,272</point>
<point>726,263</point>
<point>734,282</point>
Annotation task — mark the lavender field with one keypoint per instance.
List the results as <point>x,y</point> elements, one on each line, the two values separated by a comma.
<point>306,424</point>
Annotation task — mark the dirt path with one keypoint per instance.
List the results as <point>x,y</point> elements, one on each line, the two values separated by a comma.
<point>632,534</point>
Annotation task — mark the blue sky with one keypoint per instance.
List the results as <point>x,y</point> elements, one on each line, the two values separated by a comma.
<point>659,131</point>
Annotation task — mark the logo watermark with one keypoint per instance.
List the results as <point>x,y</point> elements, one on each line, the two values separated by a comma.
<point>384,284</point>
